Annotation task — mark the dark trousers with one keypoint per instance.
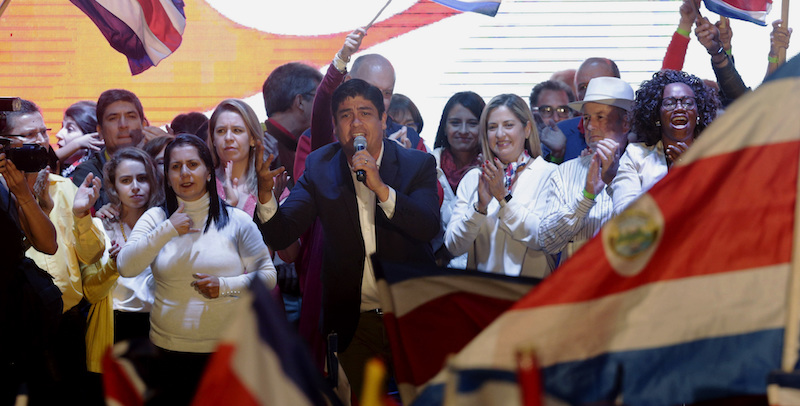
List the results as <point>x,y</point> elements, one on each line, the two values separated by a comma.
<point>369,341</point>
<point>177,376</point>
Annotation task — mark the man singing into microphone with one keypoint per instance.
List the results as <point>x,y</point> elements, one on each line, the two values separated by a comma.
<point>393,213</point>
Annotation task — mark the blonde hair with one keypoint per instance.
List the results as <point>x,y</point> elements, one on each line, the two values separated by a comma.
<point>521,110</point>
<point>254,130</point>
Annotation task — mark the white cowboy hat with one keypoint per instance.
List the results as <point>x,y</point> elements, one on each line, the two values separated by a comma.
<point>607,90</point>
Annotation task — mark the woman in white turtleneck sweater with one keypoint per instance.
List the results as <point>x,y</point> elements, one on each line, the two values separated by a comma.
<point>203,254</point>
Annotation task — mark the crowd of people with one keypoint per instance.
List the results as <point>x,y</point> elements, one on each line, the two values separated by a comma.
<point>134,232</point>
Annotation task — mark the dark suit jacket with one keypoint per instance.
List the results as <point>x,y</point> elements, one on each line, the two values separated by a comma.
<point>326,191</point>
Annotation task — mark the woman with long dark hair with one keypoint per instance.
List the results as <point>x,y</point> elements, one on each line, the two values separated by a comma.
<point>457,149</point>
<point>203,254</point>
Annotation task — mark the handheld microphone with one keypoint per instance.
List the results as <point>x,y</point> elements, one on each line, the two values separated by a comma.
<point>360,144</point>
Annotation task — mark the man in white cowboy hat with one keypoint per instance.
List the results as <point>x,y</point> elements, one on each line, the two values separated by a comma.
<point>575,197</point>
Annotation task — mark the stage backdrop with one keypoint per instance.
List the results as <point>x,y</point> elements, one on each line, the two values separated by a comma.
<point>53,54</point>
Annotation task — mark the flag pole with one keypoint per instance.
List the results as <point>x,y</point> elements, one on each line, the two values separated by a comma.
<point>791,335</point>
<point>4,4</point>
<point>785,24</point>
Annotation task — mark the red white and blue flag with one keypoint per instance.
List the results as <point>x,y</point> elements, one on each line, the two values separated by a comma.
<point>261,361</point>
<point>431,313</point>
<point>684,297</point>
<point>487,7</point>
<point>145,31</point>
<point>754,11</point>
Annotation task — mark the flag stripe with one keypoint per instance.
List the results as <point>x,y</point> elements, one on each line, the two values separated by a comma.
<point>419,291</point>
<point>699,305</point>
<point>158,20</point>
<point>753,11</point>
<point>767,212</point>
<point>425,352</point>
<point>222,381</point>
<point>740,133</point>
<point>488,8</point>
<point>650,375</point>
<point>130,12</point>
<point>118,34</point>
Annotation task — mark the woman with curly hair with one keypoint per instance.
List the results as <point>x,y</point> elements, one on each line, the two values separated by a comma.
<point>670,112</point>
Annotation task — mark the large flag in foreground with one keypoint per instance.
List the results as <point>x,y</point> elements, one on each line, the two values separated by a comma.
<point>754,11</point>
<point>261,361</point>
<point>487,7</point>
<point>682,298</point>
<point>431,313</point>
<point>145,31</point>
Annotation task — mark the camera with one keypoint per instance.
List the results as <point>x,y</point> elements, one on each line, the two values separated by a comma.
<point>26,157</point>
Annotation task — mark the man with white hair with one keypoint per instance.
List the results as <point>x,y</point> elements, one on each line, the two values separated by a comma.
<point>576,201</point>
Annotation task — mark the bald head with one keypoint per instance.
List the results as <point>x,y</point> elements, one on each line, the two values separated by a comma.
<point>377,71</point>
<point>593,68</point>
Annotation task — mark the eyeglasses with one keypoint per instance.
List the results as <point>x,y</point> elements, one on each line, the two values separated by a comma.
<point>670,103</point>
<point>547,111</point>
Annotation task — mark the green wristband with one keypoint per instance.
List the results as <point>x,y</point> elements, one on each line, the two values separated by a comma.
<point>772,59</point>
<point>588,195</point>
<point>683,32</point>
<point>554,160</point>
<point>729,51</point>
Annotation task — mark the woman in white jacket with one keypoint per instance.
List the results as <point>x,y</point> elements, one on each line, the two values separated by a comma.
<point>203,254</point>
<point>457,149</point>
<point>496,219</point>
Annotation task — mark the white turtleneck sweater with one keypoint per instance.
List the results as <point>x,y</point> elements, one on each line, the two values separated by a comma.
<point>182,319</point>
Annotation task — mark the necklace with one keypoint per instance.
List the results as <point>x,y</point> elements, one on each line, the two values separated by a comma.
<point>122,229</point>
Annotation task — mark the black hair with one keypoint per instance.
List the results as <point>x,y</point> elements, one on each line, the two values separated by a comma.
<point>217,209</point>
<point>647,106</point>
<point>286,82</point>
<point>111,96</point>
<point>554,85</point>
<point>401,102</point>
<point>353,88</point>
<point>85,115</point>
<point>188,123</point>
<point>471,101</point>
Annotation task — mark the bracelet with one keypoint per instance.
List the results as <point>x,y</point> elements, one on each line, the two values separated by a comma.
<point>554,160</point>
<point>475,206</point>
<point>729,51</point>
<point>508,197</point>
<point>339,63</point>
<point>772,59</point>
<point>683,32</point>
<point>590,196</point>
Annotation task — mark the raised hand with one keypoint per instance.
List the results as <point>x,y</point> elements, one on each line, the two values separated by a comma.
<point>725,32</point>
<point>207,285</point>
<point>401,137</point>
<point>182,222</point>
<point>607,150</point>
<point>231,185</point>
<point>91,141</point>
<point>41,188</point>
<point>708,35</point>
<point>495,178</point>
<point>689,12</point>
<point>86,196</point>
<point>778,38</point>
<point>351,44</point>
<point>266,177</point>
<point>554,139</point>
<point>113,251</point>
<point>674,152</point>
<point>594,182</point>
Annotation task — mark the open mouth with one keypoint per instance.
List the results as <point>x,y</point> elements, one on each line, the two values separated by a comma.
<point>187,184</point>
<point>679,120</point>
